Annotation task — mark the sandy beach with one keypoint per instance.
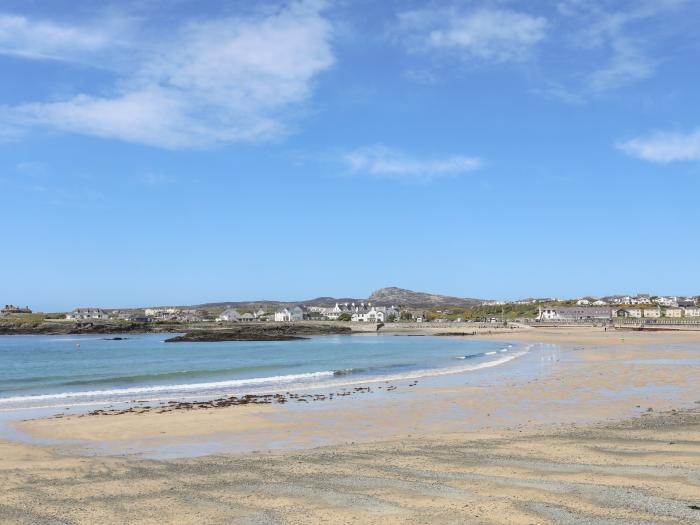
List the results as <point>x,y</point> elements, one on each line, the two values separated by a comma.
<point>590,427</point>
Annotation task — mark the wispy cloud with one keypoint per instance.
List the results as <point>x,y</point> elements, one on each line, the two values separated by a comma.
<point>664,147</point>
<point>581,48</point>
<point>225,80</point>
<point>617,37</point>
<point>46,40</point>
<point>380,161</point>
<point>484,34</point>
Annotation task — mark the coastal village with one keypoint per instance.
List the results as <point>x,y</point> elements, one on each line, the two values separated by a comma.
<point>642,307</point>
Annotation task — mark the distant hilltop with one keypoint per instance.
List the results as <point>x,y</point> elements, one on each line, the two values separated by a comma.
<point>383,297</point>
<point>403,297</point>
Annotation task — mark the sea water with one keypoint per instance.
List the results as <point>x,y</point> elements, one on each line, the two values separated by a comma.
<point>61,371</point>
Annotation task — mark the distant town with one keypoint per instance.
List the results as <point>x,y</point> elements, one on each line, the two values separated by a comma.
<point>422,308</point>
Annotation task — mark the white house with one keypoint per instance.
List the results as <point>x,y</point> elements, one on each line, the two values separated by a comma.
<point>691,312</point>
<point>599,302</point>
<point>362,312</point>
<point>652,312</point>
<point>572,313</point>
<point>634,313</point>
<point>547,314</point>
<point>128,315</point>
<point>583,302</point>
<point>342,308</point>
<point>673,312</point>
<point>88,313</point>
<point>229,316</point>
<point>375,314</point>
<point>667,301</point>
<point>286,315</point>
<point>162,312</point>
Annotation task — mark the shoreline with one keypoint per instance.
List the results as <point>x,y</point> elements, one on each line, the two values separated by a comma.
<point>612,417</point>
<point>224,390</point>
<point>560,372</point>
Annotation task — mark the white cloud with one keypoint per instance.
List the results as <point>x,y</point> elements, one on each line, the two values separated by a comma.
<point>224,80</point>
<point>583,48</point>
<point>41,39</point>
<point>380,161</point>
<point>498,35</point>
<point>627,65</point>
<point>614,35</point>
<point>664,147</point>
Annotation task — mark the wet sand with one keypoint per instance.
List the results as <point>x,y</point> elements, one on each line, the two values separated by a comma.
<point>596,432</point>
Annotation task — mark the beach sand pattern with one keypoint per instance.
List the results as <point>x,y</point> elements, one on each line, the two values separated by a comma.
<point>592,431</point>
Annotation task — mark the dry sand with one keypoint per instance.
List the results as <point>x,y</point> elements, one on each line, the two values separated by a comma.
<point>575,443</point>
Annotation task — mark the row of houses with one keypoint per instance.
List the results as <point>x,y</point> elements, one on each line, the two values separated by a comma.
<point>572,313</point>
<point>613,300</point>
<point>83,314</point>
<point>150,315</point>
<point>179,315</point>
<point>361,312</point>
<point>671,301</point>
<point>583,313</point>
<point>12,309</point>
<point>655,312</point>
<point>231,315</point>
<point>591,302</point>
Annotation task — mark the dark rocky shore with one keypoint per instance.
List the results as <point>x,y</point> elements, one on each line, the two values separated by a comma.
<point>141,407</point>
<point>78,327</point>
<point>261,332</point>
<point>194,331</point>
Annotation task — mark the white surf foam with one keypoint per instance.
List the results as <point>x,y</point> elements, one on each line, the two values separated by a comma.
<point>187,387</point>
<point>263,385</point>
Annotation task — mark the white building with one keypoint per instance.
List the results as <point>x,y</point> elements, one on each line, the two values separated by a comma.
<point>161,312</point>
<point>88,313</point>
<point>673,312</point>
<point>667,301</point>
<point>548,314</point>
<point>362,312</point>
<point>286,315</point>
<point>128,315</point>
<point>634,313</point>
<point>229,316</point>
<point>652,312</point>
<point>691,312</point>
<point>375,314</point>
<point>572,313</point>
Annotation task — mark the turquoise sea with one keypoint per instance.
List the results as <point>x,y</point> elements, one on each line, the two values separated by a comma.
<point>62,371</point>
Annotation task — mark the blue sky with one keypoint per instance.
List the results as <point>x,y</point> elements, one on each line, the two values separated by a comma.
<point>181,152</point>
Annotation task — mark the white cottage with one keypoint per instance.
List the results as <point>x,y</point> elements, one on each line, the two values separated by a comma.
<point>87,313</point>
<point>673,312</point>
<point>653,313</point>
<point>229,316</point>
<point>286,315</point>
